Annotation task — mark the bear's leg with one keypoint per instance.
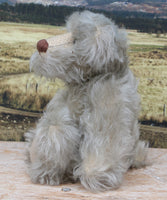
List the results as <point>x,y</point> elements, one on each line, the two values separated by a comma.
<point>106,151</point>
<point>101,168</point>
<point>53,146</point>
<point>140,148</point>
<point>140,155</point>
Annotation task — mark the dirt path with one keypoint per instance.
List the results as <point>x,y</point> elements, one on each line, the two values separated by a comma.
<point>14,123</point>
<point>19,112</point>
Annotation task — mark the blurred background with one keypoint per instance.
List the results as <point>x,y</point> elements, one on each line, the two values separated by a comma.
<point>23,96</point>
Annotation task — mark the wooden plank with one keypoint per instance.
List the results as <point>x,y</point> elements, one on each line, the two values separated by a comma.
<point>146,183</point>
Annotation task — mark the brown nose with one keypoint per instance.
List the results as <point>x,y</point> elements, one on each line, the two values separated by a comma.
<point>42,46</point>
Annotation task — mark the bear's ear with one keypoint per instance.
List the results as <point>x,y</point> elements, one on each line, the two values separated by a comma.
<point>98,41</point>
<point>81,25</point>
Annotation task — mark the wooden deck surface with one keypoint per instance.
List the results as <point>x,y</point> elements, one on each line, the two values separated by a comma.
<point>149,183</point>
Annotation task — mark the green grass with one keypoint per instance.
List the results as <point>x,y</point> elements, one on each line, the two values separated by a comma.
<point>29,33</point>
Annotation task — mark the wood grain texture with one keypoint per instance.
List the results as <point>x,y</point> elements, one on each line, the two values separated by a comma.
<point>147,183</point>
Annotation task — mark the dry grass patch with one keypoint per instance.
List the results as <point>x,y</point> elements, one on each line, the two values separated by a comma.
<point>28,92</point>
<point>14,58</point>
<point>152,73</point>
<point>145,39</point>
<point>148,61</point>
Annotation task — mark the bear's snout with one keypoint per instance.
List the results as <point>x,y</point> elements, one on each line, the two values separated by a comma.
<point>42,46</point>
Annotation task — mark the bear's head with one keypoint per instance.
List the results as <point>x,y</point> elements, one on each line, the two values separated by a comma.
<point>93,45</point>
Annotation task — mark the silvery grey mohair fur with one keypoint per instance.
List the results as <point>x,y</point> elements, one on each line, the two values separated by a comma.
<point>89,131</point>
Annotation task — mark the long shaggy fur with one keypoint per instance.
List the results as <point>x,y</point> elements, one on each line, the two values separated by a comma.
<point>89,131</point>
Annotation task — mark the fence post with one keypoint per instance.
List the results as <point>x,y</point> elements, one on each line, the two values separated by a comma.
<point>26,87</point>
<point>164,110</point>
<point>36,88</point>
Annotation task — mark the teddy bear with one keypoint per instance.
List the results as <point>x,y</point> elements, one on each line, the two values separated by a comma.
<point>89,131</point>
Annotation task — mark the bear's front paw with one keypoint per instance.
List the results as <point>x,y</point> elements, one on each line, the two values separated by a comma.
<point>98,181</point>
<point>47,179</point>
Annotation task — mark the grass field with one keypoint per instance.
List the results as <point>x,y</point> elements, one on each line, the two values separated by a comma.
<point>148,61</point>
<point>147,55</point>
<point>18,42</point>
<point>19,88</point>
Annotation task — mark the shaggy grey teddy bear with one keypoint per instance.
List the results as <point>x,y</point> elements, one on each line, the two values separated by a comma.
<point>89,131</point>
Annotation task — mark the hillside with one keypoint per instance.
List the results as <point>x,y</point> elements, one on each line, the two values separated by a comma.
<point>56,15</point>
<point>145,6</point>
<point>155,7</point>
